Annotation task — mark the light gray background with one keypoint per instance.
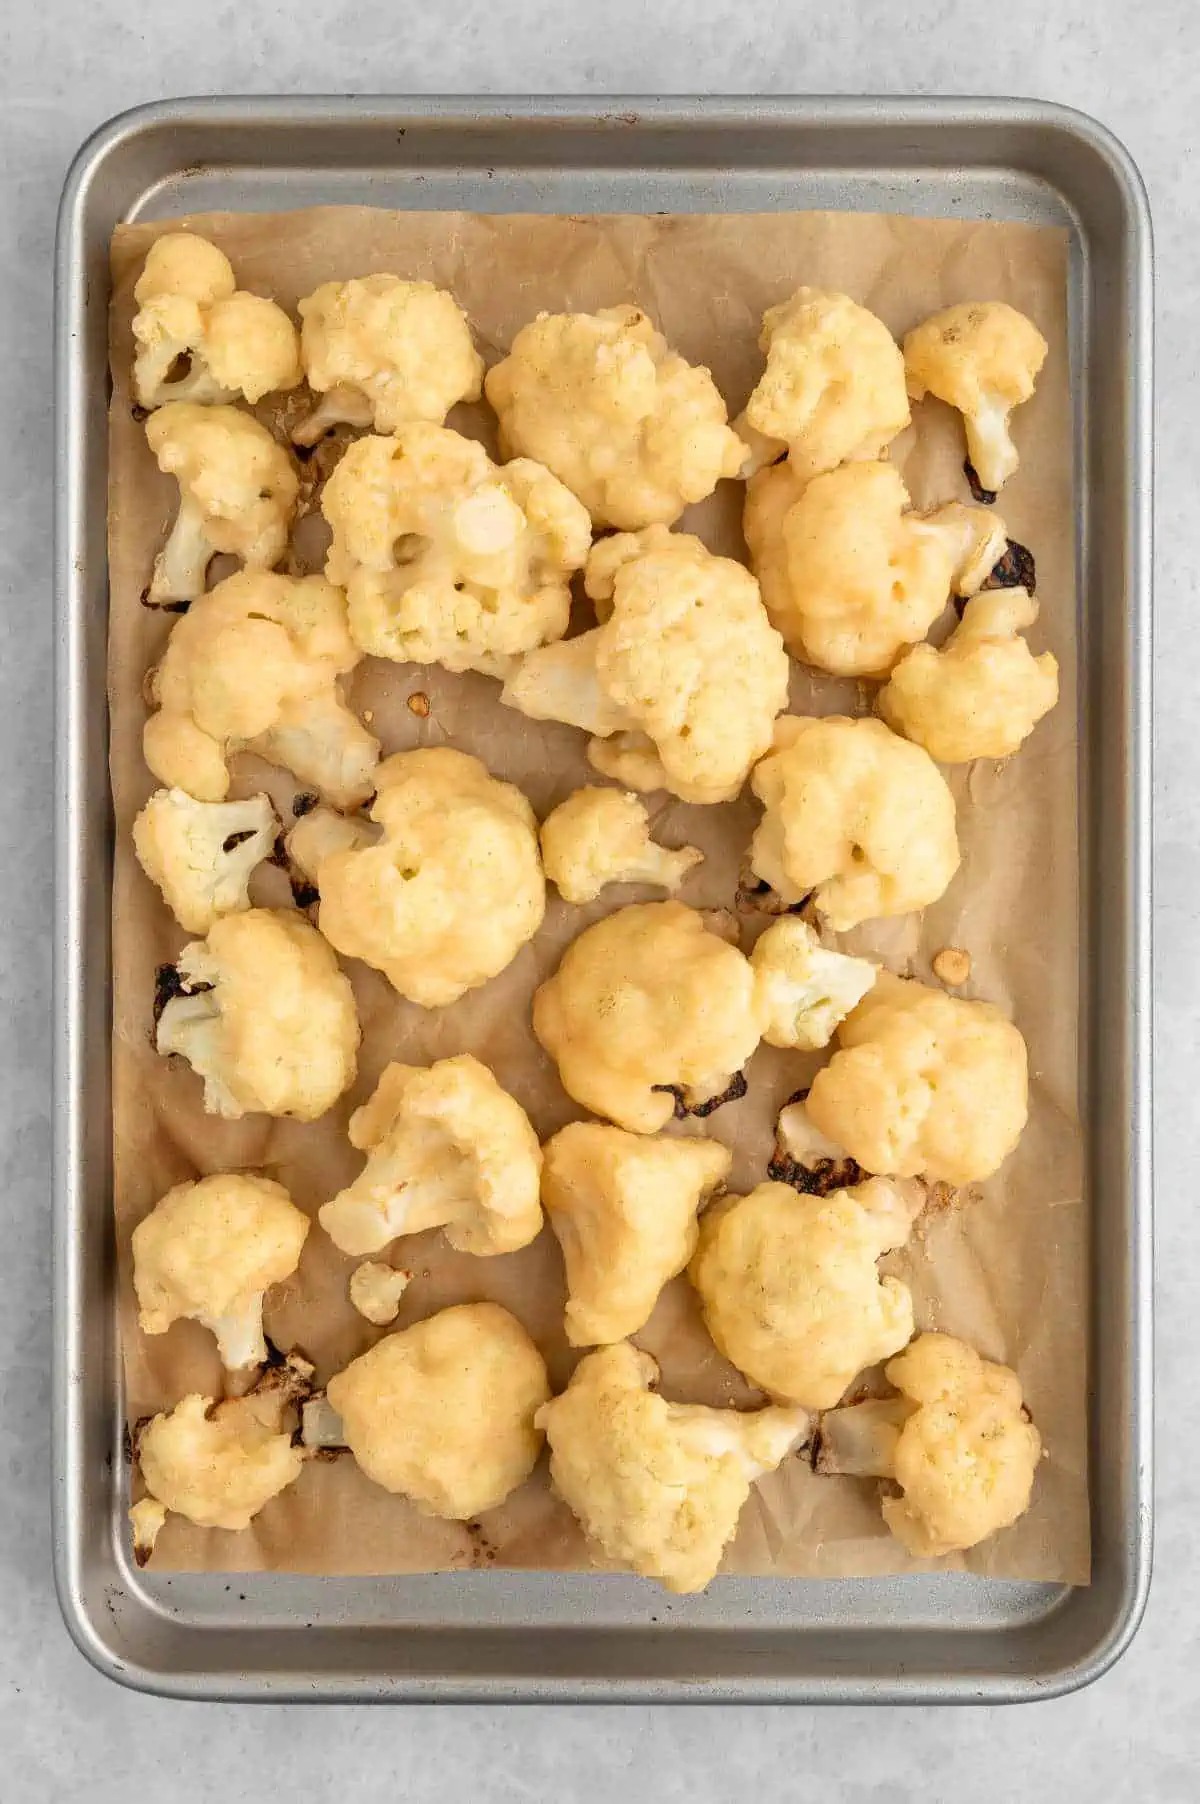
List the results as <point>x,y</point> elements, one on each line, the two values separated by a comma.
<point>65,65</point>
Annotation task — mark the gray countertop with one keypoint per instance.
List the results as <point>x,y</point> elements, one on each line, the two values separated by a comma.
<point>65,65</point>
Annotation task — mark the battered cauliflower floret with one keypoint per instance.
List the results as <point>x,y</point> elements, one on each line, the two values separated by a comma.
<point>383,352</point>
<point>210,1250</point>
<point>658,1487</point>
<point>685,668</point>
<point>833,388</point>
<point>448,558</point>
<point>603,401</point>
<point>957,1441</point>
<point>237,494</point>
<point>446,1148</point>
<point>263,1014</point>
<point>983,358</point>
<point>805,990</point>
<point>190,308</point>
<point>201,854</point>
<point>648,1006</point>
<point>444,1412</point>
<point>854,816</point>
<point>376,1289</point>
<point>452,890</point>
<point>254,666</point>
<point>601,836</point>
<point>983,693</point>
<point>789,1288</point>
<point>924,1084</point>
<point>624,1209</point>
<point>849,577</point>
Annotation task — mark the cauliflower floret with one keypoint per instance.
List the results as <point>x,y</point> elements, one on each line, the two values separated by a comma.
<point>833,388</point>
<point>237,494</point>
<point>452,890</point>
<point>254,666</point>
<point>853,819</point>
<point>448,558</point>
<point>805,989</point>
<point>444,1412</point>
<point>210,1250</point>
<point>958,1442</point>
<point>924,1084</point>
<point>383,352</point>
<point>201,854</point>
<point>191,309</point>
<point>648,1007</point>
<point>849,577</point>
<point>603,401</point>
<point>446,1148</point>
<point>983,358</point>
<point>600,836</point>
<point>789,1288</point>
<point>685,668</point>
<point>657,1486</point>
<point>376,1290</point>
<point>147,1519</point>
<point>624,1209</point>
<point>983,693</point>
<point>263,1014</point>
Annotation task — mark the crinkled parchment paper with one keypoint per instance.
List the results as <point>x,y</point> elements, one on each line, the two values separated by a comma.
<point>1004,1268</point>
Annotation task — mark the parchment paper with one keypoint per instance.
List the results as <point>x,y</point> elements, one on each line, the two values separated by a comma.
<point>1004,1266</point>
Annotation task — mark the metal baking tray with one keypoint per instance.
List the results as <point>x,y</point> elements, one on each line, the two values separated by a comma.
<point>544,1637</point>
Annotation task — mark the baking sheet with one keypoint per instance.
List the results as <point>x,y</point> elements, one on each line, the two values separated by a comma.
<point>1007,1268</point>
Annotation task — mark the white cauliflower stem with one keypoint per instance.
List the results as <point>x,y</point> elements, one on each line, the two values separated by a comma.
<point>383,352</point>
<point>446,1148</point>
<point>447,557</point>
<point>237,494</point>
<point>201,854</point>
<point>983,358</point>
<point>191,312</point>
<point>804,989</point>
<point>210,1250</point>
<point>983,693</point>
<point>602,836</point>
<point>956,1441</point>
<point>603,401</point>
<point>658,1487</point>
<point>685,668</point>
<point>254,666</point>
<point>624,1209</point>
<point>264,1016</point>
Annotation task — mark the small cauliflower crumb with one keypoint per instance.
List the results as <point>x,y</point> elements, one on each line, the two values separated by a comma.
<point>418,704</point>
<point>952,966</point>
<point>601,836</point>
<point>376,1290</point>
<point>146,1519</point>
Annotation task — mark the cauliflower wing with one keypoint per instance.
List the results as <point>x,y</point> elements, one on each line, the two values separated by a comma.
<point>263,1014</point>
<point>850,576</point>
<point>983,693</point>
<point>254,666</point>
<point>789,1289</point>
<point>193,319</point>
<point>603,401</point>
<point>444,1412</point>
<point>452,890</point>
<point>685,668</point>
<point>624,1209</point>
<point>924,1084</point>
<point>601,836</point>
<point>201,854</point>
<point>833,389</point>
<point>384,352</point>
<point>237,494</point>
<point>446,1148</point>
<point>647,1005</point>
<point>804,989</point>
<point>210,1251</point>
<point>376,1289</point>
<point>657,1487</point>
<point>983,358</point>
<point>957,1440</point>
<point>219,1464</point>
<point>853,819</point>
<point>448,558</point>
